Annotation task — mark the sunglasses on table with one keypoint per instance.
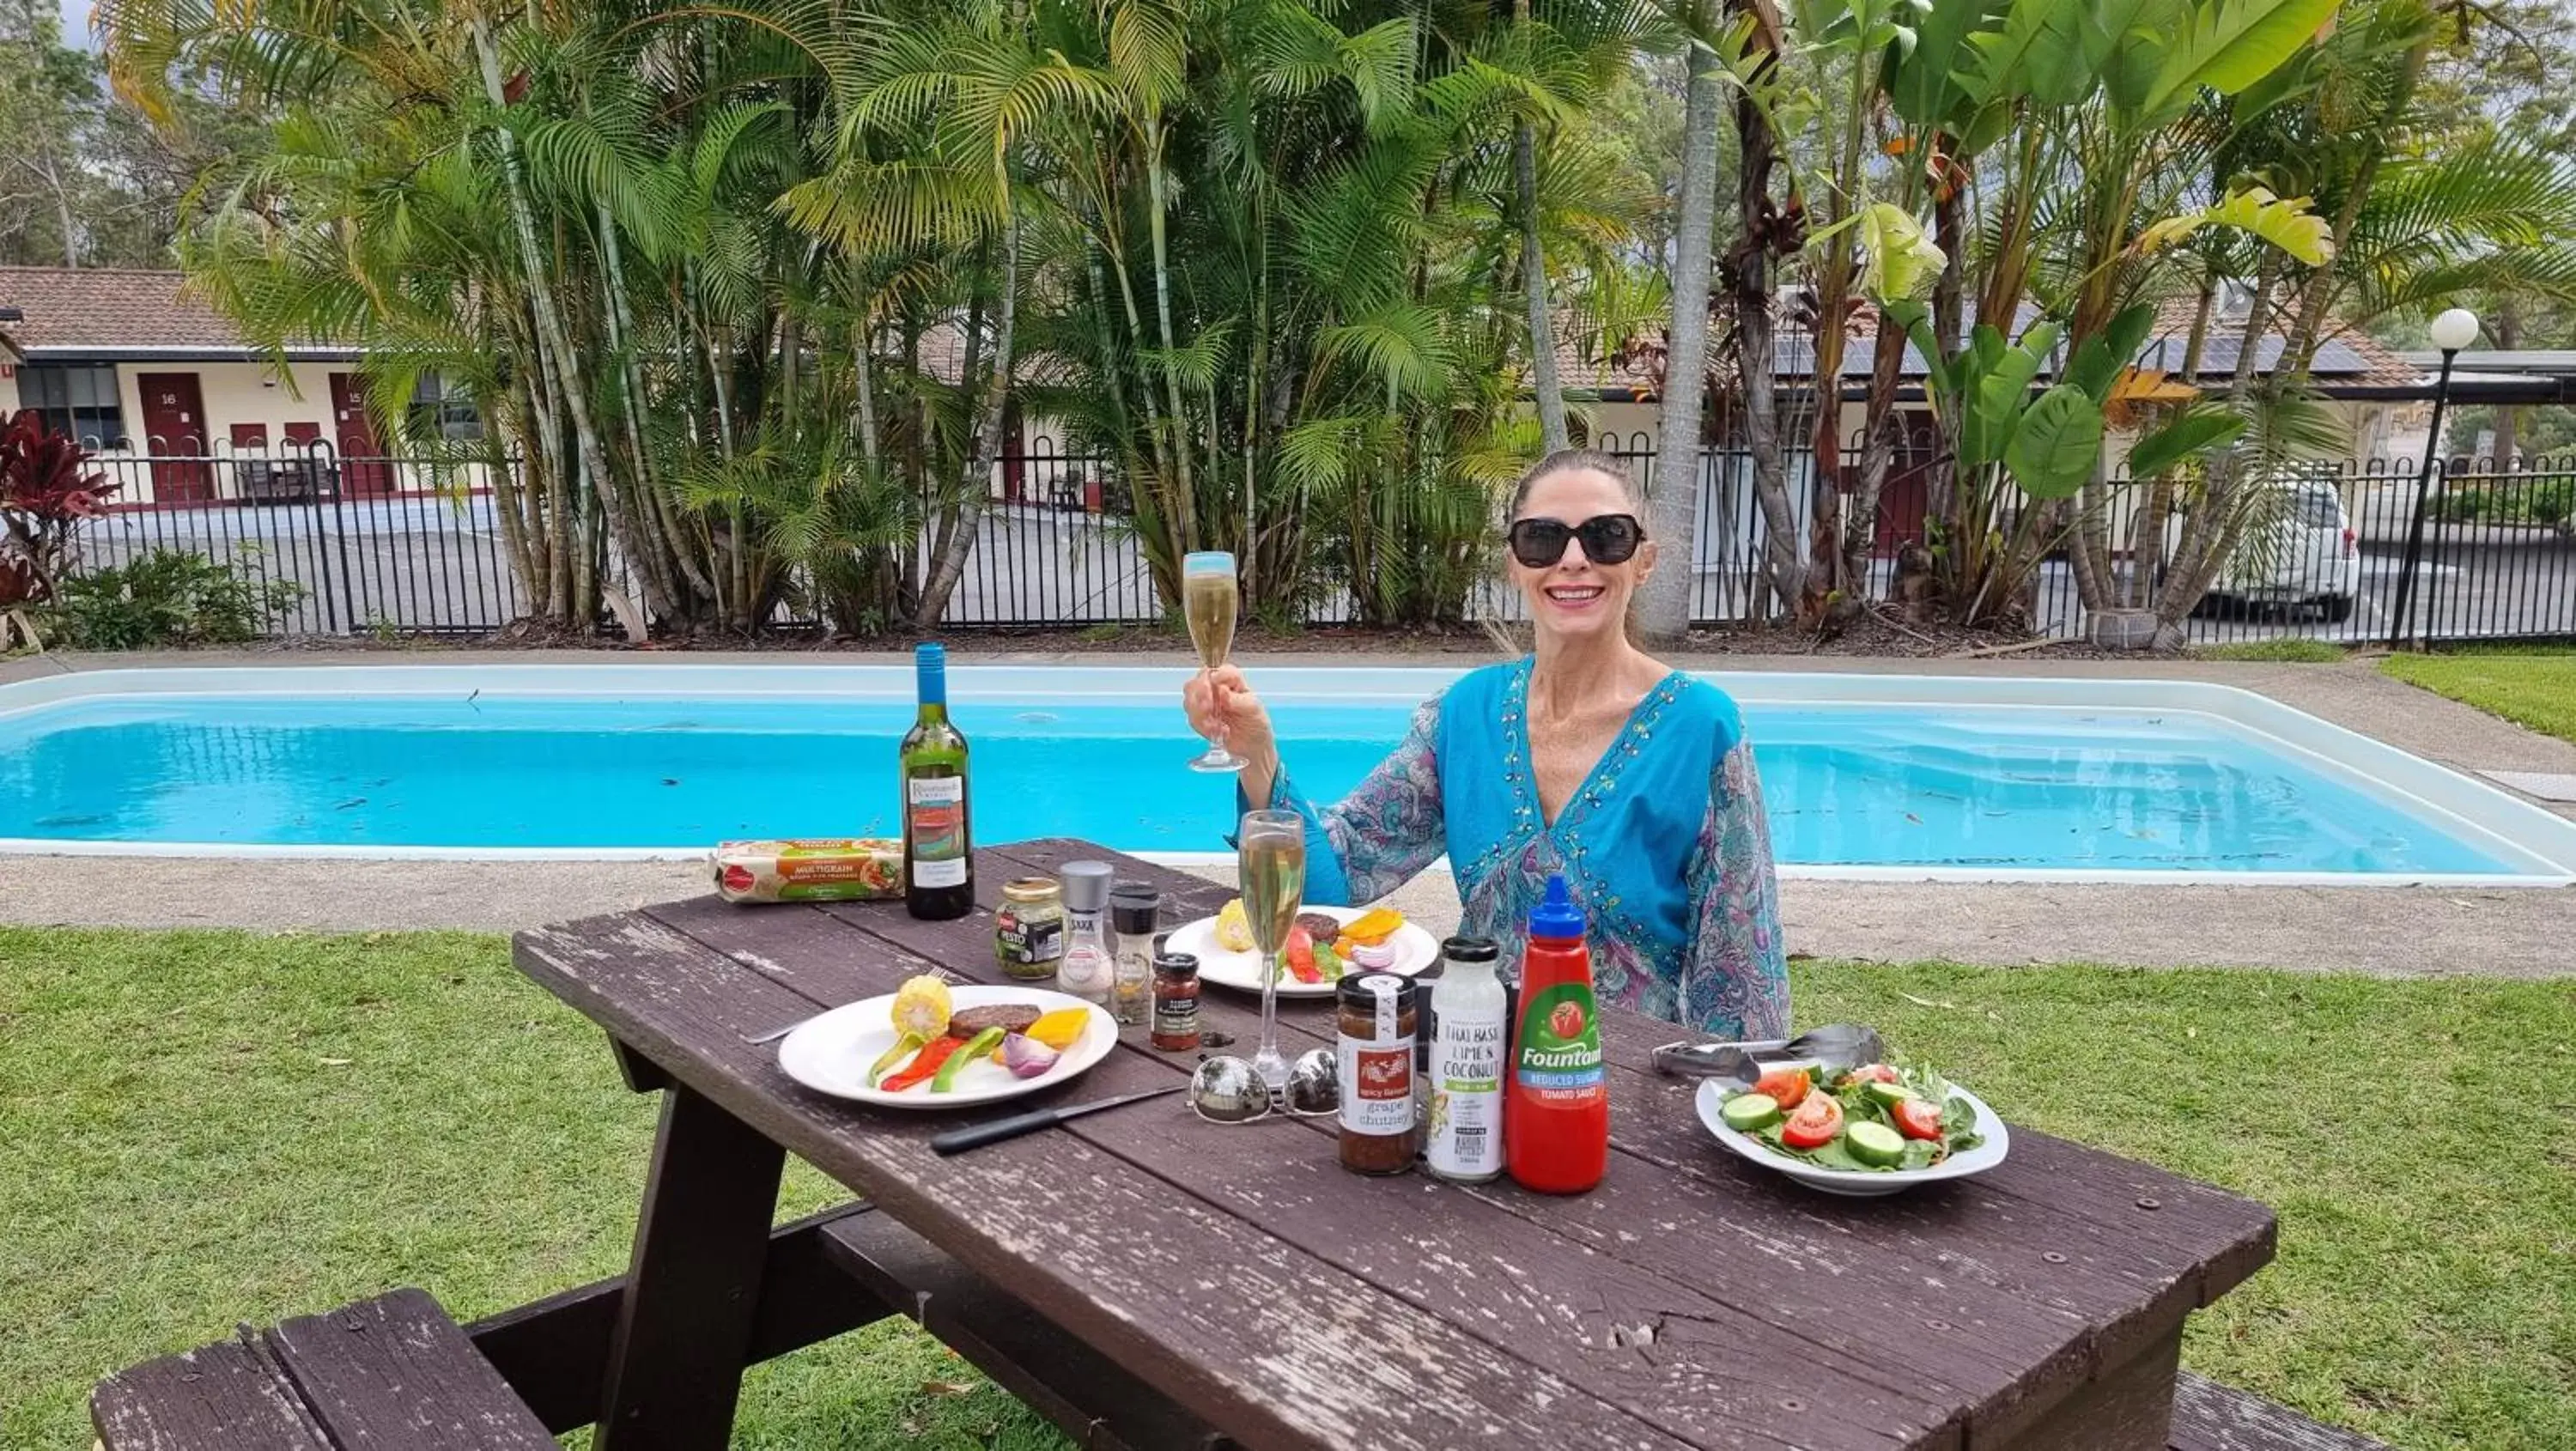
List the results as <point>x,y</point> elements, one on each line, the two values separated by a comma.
<point>1607,539</point>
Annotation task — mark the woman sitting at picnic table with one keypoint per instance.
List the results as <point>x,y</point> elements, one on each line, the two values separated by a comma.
<point>1587,757</point>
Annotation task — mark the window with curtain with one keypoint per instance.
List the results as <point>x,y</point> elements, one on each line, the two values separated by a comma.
<point>445,409</point>
<point>76,400</point>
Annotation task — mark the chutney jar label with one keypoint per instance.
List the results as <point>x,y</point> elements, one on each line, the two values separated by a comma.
<point>1377,1088</point>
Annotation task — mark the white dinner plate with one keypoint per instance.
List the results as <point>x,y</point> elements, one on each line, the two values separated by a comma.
<point>1415,951</point>
<point>831,1054</point>
<point>1852,1183</point>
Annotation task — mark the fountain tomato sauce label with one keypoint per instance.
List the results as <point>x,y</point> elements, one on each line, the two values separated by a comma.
<point>1558,1064</point>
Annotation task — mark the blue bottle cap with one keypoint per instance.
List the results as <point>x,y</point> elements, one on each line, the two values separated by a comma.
<point>932,657</point>
<point>1556,917</point>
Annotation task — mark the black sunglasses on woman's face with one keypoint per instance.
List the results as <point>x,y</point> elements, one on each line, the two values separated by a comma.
<point>1607,539</point>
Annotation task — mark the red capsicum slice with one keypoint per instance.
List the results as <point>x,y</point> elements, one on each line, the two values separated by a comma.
<point>1301,956</point>
<point>937,1052</point>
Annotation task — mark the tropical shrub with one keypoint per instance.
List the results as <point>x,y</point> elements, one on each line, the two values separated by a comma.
<point>166,597</point>
<point>46,490</point>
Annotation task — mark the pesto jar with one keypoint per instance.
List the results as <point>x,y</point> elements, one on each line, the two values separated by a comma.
<point>1028,931</point>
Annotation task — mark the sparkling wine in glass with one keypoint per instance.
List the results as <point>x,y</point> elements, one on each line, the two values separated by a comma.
<point>1209,599</point>
<point>1272,864</point>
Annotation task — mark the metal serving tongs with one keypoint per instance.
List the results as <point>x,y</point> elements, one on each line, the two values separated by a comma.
<point>1835,1047</point>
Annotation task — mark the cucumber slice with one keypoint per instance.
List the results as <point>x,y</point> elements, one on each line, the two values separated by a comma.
<point>1874,1144</point>
<point>1750,1113</point>
<point>1890,1094</point>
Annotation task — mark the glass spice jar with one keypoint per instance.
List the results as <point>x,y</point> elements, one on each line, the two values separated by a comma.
<point>1378,1020</point>
<point>1176,1001</point>
<point>1028,931</point>
<point>1135,918</point>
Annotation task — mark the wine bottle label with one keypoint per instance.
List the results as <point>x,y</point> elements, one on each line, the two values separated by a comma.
<point>1560,1052</point>
<point>938,808</point>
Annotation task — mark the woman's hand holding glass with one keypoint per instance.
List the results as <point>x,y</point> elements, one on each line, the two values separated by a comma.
<point>1223,707</point>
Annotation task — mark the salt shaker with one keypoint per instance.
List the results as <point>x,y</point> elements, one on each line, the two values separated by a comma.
<point>1087,971</point>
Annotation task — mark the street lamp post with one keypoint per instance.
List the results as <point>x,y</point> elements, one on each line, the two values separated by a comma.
<point>2452,331</point>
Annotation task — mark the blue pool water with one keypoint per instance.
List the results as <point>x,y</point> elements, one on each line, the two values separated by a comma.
<point>1901,785</point>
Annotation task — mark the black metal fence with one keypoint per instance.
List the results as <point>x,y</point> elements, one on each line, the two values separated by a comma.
<point>411,546</point>
<point>373,545</point>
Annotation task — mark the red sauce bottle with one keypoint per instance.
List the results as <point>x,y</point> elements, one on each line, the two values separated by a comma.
<point>1556,1113</point>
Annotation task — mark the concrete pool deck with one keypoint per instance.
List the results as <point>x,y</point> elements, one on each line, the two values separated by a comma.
<point>2406,931</point>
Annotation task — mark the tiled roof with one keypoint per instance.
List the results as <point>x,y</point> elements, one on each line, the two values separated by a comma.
<point>107,311</point>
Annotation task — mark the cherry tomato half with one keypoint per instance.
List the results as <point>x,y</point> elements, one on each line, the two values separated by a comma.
<point>1787,1086</point>
<point>1815,1123</point>
<point>1875,1073</point>
<point>1919,1119</point>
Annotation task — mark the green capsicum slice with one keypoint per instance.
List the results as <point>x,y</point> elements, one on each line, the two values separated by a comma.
<point>976,1047</point>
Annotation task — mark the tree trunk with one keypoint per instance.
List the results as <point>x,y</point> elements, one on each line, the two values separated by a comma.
<point>1878,454</point>
<point>1664,601</point>
<point>1542,324</point>
<point>2508,418</point>
<point>1157,224</point>
<point>978,493</point>
<point>555,342</point>
<point>1756,369</point>
<point>2209,534</point>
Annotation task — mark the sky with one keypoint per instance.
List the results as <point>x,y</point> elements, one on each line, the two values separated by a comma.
<point>76,23</point>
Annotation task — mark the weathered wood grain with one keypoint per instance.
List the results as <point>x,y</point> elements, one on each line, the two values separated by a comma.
<point>221,1397</point>
<point>2072,1249</point>
<point>684,1325</point>
<point>554,1352</point>
<point>1937,1257</point>
<point>395,1374</point>
<point>1088,1395</point>
<point>2208,1416</point>
<point>2016,1308</point>
<point>1111,1253</point>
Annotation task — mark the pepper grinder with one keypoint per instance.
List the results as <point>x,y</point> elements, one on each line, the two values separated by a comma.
<point>1135,915</point>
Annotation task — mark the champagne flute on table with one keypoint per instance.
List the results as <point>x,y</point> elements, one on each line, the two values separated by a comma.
<point>1271,861</point>
<point>1209,600</point>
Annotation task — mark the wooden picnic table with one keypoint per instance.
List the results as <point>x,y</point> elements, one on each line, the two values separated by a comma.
<point>1692,1300</point>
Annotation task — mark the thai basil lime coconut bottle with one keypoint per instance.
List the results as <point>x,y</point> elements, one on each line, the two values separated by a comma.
<point>1473,1022</point>
<point>1556,1114</point>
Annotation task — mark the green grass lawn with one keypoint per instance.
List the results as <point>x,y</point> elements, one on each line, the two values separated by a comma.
<point>199,1128</point>
<point>2530,688</point>
<point>2286,650</point>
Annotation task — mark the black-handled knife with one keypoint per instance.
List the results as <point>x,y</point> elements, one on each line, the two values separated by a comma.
<point>958,1141</point>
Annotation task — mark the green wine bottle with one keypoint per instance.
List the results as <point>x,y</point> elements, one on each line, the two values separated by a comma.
<point>938,847</point>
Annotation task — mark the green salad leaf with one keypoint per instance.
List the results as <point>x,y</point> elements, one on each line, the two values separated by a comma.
<point>1859,1105</point>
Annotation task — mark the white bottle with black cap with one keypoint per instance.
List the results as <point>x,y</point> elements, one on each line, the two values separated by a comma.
<point>1467,1051</point>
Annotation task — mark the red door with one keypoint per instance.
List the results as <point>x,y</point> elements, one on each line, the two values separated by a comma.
<point>363,469</point>
<point>174,432</point>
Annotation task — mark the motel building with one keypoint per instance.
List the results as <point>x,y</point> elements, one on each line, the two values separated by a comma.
<point>180,410</point>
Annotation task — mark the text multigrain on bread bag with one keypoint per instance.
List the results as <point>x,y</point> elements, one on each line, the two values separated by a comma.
<point>810,869</point>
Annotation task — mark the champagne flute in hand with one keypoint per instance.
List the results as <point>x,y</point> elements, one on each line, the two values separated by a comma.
<point>1208,602</point>
<point>1271,862</point>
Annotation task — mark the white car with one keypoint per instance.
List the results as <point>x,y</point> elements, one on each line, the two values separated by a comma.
<point>2302,552</point>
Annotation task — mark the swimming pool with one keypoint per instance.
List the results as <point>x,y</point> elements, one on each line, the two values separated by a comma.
<point>1871,776</point>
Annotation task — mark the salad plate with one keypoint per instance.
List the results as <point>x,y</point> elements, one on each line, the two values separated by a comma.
<point>833,1052</point>
<point>1415,952</point>
<point>1856,1149</point>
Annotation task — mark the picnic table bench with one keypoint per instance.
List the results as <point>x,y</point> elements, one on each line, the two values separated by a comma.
<point>1146,1279</point>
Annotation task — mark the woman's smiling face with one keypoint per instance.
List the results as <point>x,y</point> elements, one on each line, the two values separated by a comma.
<point>1578,597</point>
